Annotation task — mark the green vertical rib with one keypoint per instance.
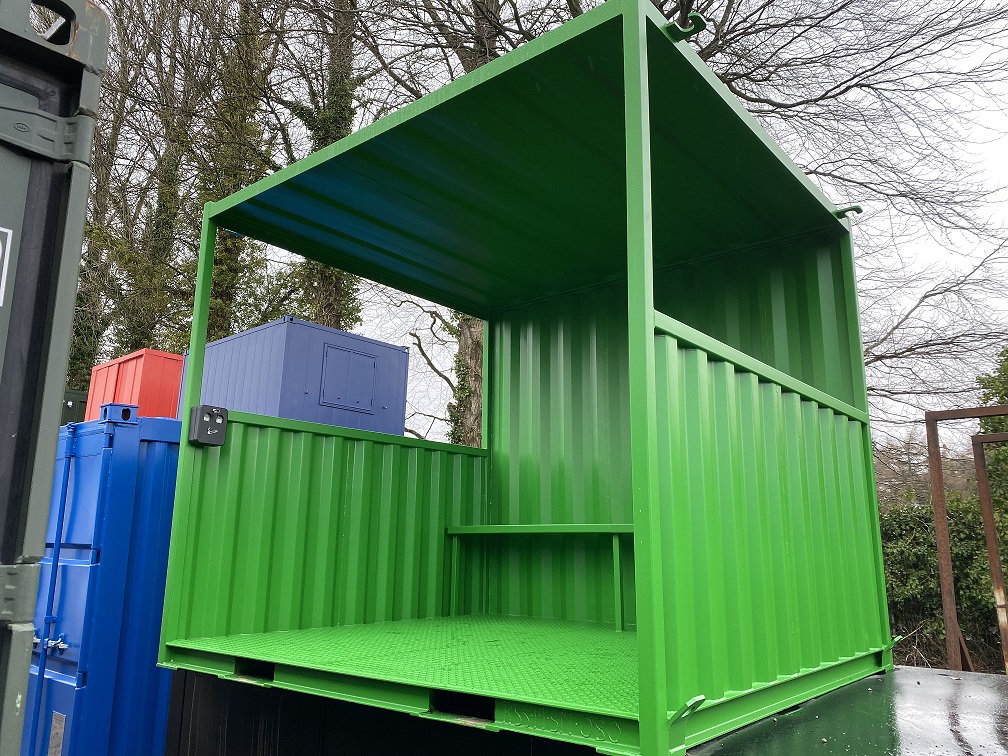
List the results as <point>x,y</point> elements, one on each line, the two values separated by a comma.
<point>837,577</point>
<point>819,504</point>
<point>853,555</point>
<point>222,548</point>
<point>320,555</point>
<point>691,570</point>
<point>860,518</point>
<point>736,535</point>
<point>754,505</point>
<point>717,645</point>
<point>280,610</point>
<point>196,618</point>
<point>797,476</point>
<point>670,484</point>
<point>408,538</point>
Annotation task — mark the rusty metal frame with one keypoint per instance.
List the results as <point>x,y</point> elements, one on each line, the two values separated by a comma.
<point>955,645</point>
<point>990,533</point>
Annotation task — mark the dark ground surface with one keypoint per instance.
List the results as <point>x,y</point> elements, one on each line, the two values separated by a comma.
<point>912,712</point>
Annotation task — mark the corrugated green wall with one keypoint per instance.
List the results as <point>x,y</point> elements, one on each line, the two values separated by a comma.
<point>771,566</point>
<point>784,304</point>
<point>559,424</point>
<point>296,525</point>
<point>559,442</point>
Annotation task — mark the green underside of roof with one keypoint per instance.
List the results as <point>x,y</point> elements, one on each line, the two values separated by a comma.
<point>509,185</point>
<point>570,665</point>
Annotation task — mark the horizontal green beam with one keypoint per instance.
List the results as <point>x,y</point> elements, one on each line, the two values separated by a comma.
<point>604,733</point>
<point>411,699</point>
<point>198,661</point>
<point>720,351</point>
<point>544,529</point>
<point>715,718</point>
<point>320,429</point>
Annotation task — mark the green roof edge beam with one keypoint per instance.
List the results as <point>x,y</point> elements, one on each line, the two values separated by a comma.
<point>654,698</point>
<point>320,429</point>
<point>682,332</point>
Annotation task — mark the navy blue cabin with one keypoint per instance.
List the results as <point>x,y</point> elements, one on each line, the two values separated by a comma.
<point>299,370</point>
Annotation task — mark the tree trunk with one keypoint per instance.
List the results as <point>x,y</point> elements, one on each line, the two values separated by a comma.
<point>329,296</point>
<point>91,316</point>
<point>465,412</point>
<point>234,151</point>
<point>145,299</point>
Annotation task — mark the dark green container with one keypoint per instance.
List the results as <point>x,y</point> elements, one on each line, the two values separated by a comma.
<point>48,101</point>
<point>672,529</point>
<point>74,406</point>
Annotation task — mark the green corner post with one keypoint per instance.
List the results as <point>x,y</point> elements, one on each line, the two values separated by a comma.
<point>191,397</point>
<point>201,316</point>
<point>860,383</point>
<point>652,665</point>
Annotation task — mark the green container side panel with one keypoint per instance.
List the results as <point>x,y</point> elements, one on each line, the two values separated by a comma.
<point>771,568</point>
<point>784,304</point>
<point>559,385</point>
<point>291,529</point>
<point>559,453</point>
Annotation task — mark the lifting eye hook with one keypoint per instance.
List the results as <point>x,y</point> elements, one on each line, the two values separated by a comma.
<point>844,211</point>
<point>697,24</point>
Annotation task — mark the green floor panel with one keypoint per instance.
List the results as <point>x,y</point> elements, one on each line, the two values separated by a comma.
<point>569,665</point>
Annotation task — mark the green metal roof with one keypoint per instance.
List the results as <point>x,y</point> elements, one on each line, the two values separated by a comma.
<point>509,185</point>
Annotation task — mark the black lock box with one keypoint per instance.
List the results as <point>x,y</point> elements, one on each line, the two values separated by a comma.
<point>207,425</point>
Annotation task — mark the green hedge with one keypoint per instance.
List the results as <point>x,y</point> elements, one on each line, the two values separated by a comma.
<point>911,564</point>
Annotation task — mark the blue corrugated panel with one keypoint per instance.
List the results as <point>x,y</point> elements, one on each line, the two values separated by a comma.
<point>112,502</point>
<point>303,371</point>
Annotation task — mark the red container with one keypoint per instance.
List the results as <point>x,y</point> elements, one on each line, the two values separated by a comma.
<point>148,378</point>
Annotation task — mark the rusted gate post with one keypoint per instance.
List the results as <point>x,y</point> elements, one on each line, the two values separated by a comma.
<point>990,533</point>
<point>955,645</point>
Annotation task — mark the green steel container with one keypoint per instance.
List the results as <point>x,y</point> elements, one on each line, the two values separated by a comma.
<point>672,529</point>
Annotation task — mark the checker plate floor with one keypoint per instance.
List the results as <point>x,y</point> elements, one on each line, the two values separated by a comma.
<point>570,665</point>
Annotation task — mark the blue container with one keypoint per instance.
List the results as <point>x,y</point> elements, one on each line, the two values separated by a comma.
<point>112,503</point>
<point>303,371</point>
